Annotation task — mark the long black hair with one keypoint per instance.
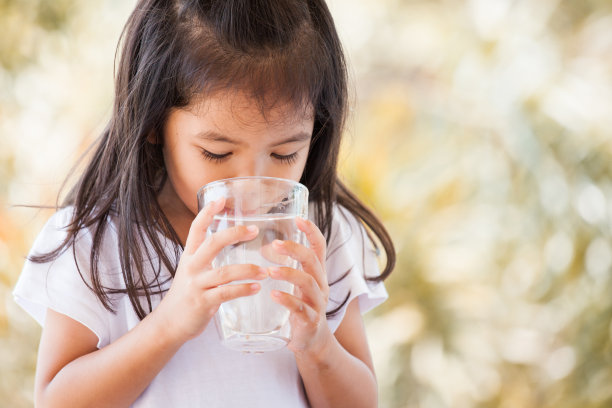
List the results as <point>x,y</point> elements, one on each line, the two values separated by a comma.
<point>173,51</point>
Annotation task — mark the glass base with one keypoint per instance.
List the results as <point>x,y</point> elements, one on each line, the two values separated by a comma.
<point>255,343</point>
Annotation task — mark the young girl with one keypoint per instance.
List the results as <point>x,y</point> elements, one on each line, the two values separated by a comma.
<point>120,276</point>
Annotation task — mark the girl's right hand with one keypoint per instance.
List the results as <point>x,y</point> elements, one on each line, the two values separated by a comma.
<point>197,289</point>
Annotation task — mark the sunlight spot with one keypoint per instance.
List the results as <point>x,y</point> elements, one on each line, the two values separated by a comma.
<point>591,204</point>
<point>559,252</point>
<point>598,259</point>
<point>560,363</point>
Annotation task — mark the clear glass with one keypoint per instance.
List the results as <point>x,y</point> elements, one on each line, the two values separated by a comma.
<point>256,323</point>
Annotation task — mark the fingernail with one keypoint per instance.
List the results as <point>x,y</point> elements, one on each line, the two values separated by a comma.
<point>252,229</point>
<point>274,271</point>
<point>217,205</point>
<point>277,243</point>
<point>255,287</point>
<point>263,273</point>
<point>275,293</point>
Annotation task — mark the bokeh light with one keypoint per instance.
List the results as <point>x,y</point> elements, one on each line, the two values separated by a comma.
<point>480,132</point>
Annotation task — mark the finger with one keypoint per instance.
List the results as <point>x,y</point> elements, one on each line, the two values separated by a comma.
<point>214,243</point>
<point>272,256</point>
<point>197,231</point>
<point>314,236</point>
<point>309,290</point>
<point>228,274</point>
<point>306,257</point>
<point>296,306</point>
<point>225,293</point>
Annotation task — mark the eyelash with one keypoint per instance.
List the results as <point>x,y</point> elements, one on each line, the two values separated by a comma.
<point>288,159</point>
<point>217,158</point>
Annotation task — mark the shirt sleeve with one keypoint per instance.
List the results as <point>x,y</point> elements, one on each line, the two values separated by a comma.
<point>58,284</point>
<point>351,258</point>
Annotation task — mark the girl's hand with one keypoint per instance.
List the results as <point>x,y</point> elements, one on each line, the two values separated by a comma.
<point>308,304</point>
<point>197,291</point>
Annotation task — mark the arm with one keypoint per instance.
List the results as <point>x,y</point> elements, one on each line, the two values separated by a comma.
<point>337,370</point>
<point>72,372</point>
<point>341,374</point>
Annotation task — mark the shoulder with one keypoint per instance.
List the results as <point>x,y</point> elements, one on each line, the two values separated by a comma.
<point>58,227</point>
<point>343,221</point>
<point>54,232</point>
<point>348,244</point>
<point>57,275</point>
<point>59,222</point>
<point>351,264</point>
<point>347,229</point>
<point>60,254</point>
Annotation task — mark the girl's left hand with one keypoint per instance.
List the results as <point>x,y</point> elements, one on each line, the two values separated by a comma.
<point>308,304</point>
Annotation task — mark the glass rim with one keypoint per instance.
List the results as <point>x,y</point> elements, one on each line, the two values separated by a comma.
<point>232,179</point>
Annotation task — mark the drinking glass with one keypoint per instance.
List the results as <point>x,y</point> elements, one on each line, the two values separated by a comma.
<point>256,323</point>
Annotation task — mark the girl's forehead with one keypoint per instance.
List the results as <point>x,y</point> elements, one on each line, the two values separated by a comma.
<point>240,107</point>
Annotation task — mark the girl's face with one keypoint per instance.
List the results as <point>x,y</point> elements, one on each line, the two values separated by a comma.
<point>226,136</point>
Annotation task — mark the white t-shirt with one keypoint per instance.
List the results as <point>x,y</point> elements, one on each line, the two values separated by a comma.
<point>203,373</point>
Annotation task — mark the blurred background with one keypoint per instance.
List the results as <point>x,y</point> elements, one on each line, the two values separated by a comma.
<point>481,132</point>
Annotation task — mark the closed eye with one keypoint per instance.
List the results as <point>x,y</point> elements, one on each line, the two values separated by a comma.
<point>214,157</point>
<point>286,159</point>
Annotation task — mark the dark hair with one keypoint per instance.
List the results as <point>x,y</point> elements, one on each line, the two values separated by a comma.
<point>173,51</point>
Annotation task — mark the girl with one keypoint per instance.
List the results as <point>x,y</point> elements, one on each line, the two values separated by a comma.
<point>120,276</point>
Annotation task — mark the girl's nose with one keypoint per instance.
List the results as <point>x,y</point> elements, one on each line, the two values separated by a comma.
<point>251,197</point>
<point>251,168</point>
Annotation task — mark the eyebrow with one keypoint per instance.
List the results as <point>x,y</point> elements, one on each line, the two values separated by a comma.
<point>213,136</point>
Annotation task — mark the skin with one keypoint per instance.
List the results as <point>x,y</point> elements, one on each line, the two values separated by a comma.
<point>336,367</point>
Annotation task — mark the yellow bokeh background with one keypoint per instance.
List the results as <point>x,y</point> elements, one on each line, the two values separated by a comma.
<point>480,132</point>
